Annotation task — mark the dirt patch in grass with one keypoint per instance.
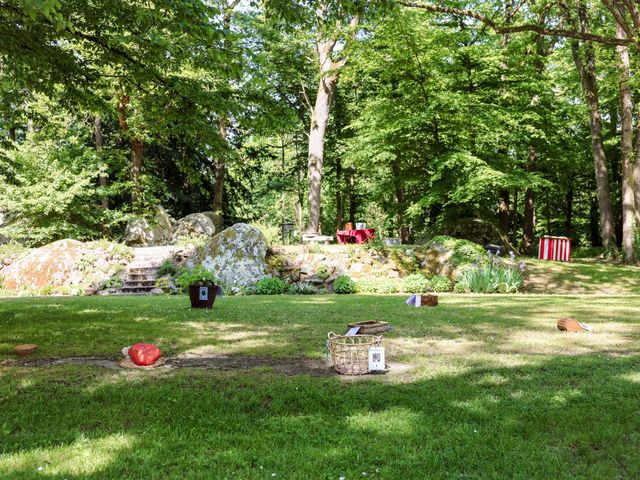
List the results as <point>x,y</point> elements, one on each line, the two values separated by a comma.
<point>289,366</point>
<point>293,366</point>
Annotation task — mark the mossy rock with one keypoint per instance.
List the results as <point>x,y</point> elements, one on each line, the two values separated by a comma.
<point>237,257</point>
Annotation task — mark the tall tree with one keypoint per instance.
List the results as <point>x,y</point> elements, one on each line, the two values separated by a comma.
<point>585,63</point>
<point>330,31</point>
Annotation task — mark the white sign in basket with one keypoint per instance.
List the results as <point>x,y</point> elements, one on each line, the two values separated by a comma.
<point>376,359</point>
<point>204,293</point>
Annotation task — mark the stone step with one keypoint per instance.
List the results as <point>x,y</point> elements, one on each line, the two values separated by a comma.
<point>130,294</point>
<point>135,289</point>
<point>139,280</point>
<point>141,270</point>
<point>139,283</point>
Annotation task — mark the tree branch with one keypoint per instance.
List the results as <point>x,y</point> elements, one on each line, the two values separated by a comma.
<point>559,32</point>
<point>619,16</point>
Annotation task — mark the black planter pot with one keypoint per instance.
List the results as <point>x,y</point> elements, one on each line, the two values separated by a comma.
<point>202,297</point>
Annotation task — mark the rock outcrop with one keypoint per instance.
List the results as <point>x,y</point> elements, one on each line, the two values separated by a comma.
<point>194,225</point>
<point>148,232</point>
<point>66,266</point>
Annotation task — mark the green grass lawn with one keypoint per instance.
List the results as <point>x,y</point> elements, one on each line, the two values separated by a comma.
<point>489,390</point>
<point>581,276</point>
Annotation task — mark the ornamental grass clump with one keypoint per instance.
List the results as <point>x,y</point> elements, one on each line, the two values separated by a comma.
<point>493,277</point>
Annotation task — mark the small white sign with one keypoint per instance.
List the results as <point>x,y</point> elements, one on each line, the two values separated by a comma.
<point>376,359</point>
<point>204,293</point>
<point>361,226</point>
<point>418,300</point>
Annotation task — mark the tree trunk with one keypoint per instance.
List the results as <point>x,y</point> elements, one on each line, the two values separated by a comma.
<point>626,149</point>
<point>529,221</point>
<point>403,230</point>
<point>514,234</point>
<point>137,146</point>
<point>352,195</point>
<point>503,212</point>
<point>220,164</point>
<point>594,224</point>
<point>102,178</point>
<point>339,197</point>
<point>568,218</point>
<point>529,208</point>
<point>136,171</point>
<point>588,79</point>
<point>218,187</point>
<point>636,173</point>
<point>319,121</point>
<point>329,71</point>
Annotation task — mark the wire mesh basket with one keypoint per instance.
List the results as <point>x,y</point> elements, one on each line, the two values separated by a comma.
<point>350,354</point>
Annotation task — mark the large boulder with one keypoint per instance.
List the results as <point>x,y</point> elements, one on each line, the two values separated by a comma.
<point>236,256</point>
<point>215,218</point>
<point>194,225</point>
<point>143,231</point>
<point>66,266</point>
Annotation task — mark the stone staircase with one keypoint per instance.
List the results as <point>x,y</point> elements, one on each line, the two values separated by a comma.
<point>140,275</point>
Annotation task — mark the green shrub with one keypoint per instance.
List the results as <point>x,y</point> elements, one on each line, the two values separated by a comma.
<point>464,251</point>
<point>303,288</point>
<point>198,276</point>
<point>113,282</point>
<point>47,290</point>
<point>388,285</point>
<point>322,272</point>
<point>166,268</point>
<point>415,283</point>
<point>440,283</point>
<point>344,285</point>
<point>460,287</point>
<point>165,284</point>
<point>271,286</point>
<point>378,285</point>
<point>367,285</point>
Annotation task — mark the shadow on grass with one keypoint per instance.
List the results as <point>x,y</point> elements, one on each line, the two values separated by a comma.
<point>566,417</point>
<point>297,326</point>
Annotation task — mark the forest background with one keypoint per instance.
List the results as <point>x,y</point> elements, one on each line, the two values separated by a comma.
<point>416,118</point>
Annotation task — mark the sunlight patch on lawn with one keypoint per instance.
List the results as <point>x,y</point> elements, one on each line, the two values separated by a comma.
<point>633,377</point>
<point>479,405</point>
<point>559,343</point>
<point>393,421</point>
<point>432,346</point>
<point>247,334</point>
<point>568,397</point>
<point>85,456</point>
